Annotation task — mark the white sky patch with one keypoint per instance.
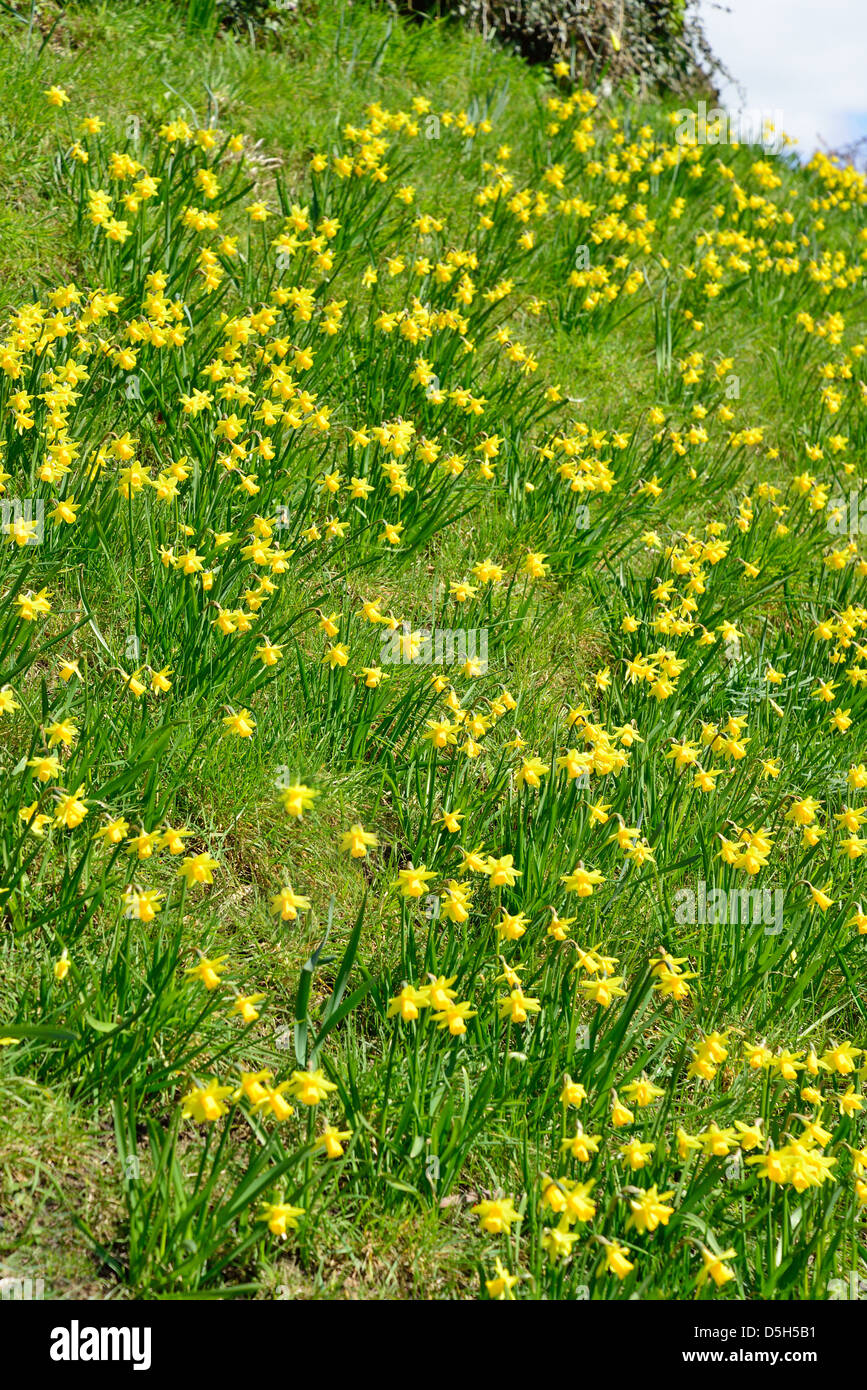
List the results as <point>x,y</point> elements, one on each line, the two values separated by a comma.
<point>805,59</point>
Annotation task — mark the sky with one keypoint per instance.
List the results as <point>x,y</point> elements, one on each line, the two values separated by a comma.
<point>806,59</point>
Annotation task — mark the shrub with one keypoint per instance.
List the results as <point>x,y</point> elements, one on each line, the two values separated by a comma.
<point>637,42</point>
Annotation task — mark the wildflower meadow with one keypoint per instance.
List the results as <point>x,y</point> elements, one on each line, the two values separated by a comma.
<point>433,666</point>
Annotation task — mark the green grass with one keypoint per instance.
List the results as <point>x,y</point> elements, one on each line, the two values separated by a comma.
<point>116,1043</point>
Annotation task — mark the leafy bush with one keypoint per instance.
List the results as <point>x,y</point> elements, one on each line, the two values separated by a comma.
<point>632,41</point>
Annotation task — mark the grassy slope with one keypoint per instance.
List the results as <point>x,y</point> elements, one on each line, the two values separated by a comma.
<point>289,101</point>
<point>292,100</point>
